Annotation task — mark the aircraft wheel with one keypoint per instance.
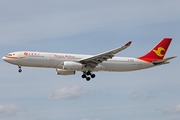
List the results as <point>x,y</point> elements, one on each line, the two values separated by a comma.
<point>88,73</point>
<point>19,70</point>
<point>83,76</point>
<point>88,78</point>
<point>93,76</point>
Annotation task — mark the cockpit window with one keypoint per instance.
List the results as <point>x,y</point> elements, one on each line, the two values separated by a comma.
<point>9,54</point>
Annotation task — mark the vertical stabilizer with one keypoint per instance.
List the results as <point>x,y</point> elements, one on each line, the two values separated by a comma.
<point>158,52</point>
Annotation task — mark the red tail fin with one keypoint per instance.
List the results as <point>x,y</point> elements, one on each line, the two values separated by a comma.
<point>158,52</point>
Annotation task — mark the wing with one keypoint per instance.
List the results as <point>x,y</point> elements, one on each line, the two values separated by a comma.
<point>93,61</point>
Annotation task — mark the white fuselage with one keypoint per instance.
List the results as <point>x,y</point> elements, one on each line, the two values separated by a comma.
<point>55,60</point>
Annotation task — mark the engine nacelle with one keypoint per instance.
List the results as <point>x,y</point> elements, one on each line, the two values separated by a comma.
<point>64,72</point>
<point>70,65</point>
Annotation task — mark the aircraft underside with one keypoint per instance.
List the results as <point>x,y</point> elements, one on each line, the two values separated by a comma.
<point>88,71</point>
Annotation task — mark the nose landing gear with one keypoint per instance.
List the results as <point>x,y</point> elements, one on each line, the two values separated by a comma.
<point>20,70</point>
<point>87,74</point>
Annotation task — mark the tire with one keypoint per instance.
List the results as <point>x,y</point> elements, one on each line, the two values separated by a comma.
<point>88,73</point>
<point>19,70</point>
<point>83,76</point>
<point>93,76</point>
<point>88,78</point>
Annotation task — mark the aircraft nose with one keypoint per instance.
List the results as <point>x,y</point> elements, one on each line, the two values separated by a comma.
<point>4,58</point>
<point>10,60</point>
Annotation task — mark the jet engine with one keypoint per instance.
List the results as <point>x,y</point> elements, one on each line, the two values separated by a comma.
<point>64,72</point>
<point>70,65</point>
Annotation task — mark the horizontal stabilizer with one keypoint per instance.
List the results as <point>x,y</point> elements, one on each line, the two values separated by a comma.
<point>164,61</point>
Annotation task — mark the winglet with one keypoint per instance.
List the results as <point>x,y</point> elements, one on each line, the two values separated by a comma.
<point>128,44</point>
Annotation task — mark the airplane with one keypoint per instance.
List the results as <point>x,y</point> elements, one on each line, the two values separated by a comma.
<point>68,64</point>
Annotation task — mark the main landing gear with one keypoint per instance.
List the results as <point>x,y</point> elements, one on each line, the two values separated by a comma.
<point>20,70</point>
<point>88,75</point>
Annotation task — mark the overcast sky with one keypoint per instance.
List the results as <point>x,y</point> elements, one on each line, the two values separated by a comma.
<point>89,27</point>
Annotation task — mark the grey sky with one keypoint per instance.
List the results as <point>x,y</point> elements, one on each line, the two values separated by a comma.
<point>53,19</point>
